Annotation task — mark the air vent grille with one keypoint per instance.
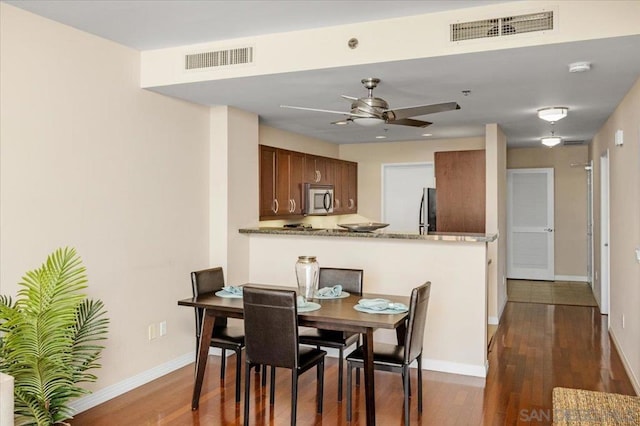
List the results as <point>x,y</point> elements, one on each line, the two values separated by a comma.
<point>573,143</point>
<point>498,27</point>
<point>219,58</point>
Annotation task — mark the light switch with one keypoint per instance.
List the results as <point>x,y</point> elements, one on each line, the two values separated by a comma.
<point>619,137</point>
<point>638,255</point>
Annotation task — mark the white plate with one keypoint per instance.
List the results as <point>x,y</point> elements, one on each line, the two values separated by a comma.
<point>224,293</point>
<point>343,295</point>
<point>309,307</point>
<point>373,311</point>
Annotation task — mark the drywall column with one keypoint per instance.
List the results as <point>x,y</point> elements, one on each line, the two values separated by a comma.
<point>496,221</point>
<point>6,400</point>
<point>233,191</point>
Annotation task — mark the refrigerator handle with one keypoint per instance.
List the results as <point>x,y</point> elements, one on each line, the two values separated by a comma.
<point>421,216</point>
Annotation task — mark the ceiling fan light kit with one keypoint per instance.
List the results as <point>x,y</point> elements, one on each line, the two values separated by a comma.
<point>371,111</point>
<point>553,114</point>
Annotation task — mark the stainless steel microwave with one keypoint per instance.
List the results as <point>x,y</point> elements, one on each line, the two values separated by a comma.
<point>318,199</point>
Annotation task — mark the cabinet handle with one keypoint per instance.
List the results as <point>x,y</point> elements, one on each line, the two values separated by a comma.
<point>292,206</point>
<point>351,204</point>
<point>276,205</point>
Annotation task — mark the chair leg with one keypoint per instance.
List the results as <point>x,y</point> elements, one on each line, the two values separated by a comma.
<point>247,383</point>
<point>419,383</point>
<point>357,377</point>
<point>272,397</point>
<point>340,366</point>
<point>223,364</point>
<point>405,375</point>
<point>264,375</point>
<point>238,374</point>
<point>349,370</point>
<point>294,396</point>
<point>320,385</point>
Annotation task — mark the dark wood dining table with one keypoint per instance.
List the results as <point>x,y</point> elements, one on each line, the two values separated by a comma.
<point>334,314</point>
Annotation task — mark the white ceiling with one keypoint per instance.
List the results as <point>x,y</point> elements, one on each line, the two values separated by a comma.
<point>507,86</point>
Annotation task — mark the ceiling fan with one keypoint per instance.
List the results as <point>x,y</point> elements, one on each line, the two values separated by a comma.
<point>371,111</point>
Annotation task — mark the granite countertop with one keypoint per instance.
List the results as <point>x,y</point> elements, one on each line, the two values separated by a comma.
<point>343,233</point>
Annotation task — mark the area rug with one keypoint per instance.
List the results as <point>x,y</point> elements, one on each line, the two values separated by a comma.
<point>583,407</point>
<point>550,292</point>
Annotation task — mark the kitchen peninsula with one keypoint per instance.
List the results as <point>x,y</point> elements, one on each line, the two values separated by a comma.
<point>394,263</point>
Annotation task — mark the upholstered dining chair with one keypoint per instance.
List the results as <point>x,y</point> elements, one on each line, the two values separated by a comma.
<point>397,358</point>
<point>271,337</point>
<point>351,282</point>
<point>223,337</point>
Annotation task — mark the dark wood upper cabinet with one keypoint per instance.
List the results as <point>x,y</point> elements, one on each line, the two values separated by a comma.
<point>460,191</point>
<point>283,174</point>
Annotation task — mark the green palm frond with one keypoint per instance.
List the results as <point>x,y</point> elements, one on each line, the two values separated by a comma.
<point>48,339</point>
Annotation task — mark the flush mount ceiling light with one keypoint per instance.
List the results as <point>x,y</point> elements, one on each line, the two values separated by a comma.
<point>579,66</point>
<point>427,135</point>
<point>553,114</point>
<point>551,140</point>
<point>381,137</point>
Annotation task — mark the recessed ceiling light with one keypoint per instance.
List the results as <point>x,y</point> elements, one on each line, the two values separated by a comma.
<point>381,137</point>
<point>340,123</point>
<point>579,66</point>
<point>553,114</point>
<point>427,134</point>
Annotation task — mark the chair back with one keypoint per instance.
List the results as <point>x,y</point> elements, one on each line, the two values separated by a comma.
<point>349,279</point>
<point>417,319</point>
<point>271,327</point>
<point>207,281</point>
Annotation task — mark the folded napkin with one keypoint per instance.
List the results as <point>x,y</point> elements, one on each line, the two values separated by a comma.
<point>233,289</point>
<point>334,291</point>
<point>381,305</point>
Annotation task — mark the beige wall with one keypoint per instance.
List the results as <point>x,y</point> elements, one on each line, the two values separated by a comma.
<point>371,157</point>
<point>496,222</point>
<point>89,160</point>
<point>570,199</point>
<point>624,171</point>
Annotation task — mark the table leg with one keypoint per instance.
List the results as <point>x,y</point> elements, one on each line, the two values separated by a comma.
<point>369,388</point>
<point>203,354</point>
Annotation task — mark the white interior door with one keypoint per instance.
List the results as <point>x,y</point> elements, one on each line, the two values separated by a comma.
<point>604,233</point>
<point>402,188</point>
<point>530,241</point>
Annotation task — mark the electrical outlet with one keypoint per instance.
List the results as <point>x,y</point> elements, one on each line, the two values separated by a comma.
<point>152,332</point>
<point>163,328</point>
<point>623,321</point>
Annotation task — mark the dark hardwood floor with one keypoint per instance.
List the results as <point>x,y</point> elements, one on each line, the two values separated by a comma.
<point>536,348</point>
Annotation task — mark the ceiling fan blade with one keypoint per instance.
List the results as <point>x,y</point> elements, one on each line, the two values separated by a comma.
<point>351,98</point>
<point>410,122</point>
<point>349,114</point>
<point>416,111</point>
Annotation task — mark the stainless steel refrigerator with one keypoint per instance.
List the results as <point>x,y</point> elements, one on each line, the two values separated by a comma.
<point>427,220</point>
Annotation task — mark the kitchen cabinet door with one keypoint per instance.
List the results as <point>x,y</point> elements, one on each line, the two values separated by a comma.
<point>319,170</point>
<point>268,175</point>
<point>460,191</point>
<point>352,188</point>
<point>340,187</point>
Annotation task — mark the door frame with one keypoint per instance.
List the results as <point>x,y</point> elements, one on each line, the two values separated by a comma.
<point>605,232</point>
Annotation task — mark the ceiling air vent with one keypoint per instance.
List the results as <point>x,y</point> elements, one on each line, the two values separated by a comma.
<point>499,27</point>
<point>219,58</point>
<point>573,143</point>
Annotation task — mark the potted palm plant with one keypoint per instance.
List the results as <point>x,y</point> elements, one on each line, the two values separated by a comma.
<point>50,339</point>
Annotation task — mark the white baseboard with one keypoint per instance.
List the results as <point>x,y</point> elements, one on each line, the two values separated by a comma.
<point>577,278</point>
<point>454,368</point>
<point>493,320</point>
<point>117,389</point>
<point>625,363</point>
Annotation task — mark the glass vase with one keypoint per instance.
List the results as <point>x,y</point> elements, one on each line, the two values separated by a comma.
<point>307,271</point>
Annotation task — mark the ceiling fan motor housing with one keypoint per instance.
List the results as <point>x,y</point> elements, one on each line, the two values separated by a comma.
<point>372,106</point>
